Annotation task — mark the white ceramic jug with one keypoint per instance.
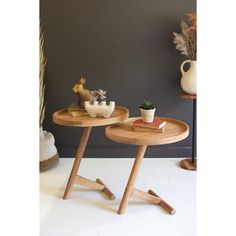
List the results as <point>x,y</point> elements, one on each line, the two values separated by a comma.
<point>189,78</point>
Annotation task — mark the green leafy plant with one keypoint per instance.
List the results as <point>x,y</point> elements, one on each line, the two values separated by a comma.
<point>147,105</point>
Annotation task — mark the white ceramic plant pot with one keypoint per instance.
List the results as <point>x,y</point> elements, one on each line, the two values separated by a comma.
<point>148,115</point>
<point>189,78</point>
<point>48,151</point>
<point>100,109</point>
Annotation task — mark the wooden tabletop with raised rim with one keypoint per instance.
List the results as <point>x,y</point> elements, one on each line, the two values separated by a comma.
<point>62,117</point>
<point>175,131</point>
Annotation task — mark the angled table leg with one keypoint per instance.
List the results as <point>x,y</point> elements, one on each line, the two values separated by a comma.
<point>132,178</point>
<point>79,155</point>
<point>76,179</point>
<point>130,191</point>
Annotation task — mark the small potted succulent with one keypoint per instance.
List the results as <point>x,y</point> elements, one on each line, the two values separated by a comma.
<point>147,109</point>
<point>97,106</point>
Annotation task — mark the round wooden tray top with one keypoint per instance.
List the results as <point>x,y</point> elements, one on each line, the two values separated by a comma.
<point>62,117</point>
<point>175,131</point>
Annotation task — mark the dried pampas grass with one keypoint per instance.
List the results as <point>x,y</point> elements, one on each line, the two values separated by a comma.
<point>42,64</point>
<point>186,41</point>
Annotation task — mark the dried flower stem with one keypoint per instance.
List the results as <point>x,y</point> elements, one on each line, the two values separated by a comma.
<point>98,95</point>
<point>42,64</point>
<point>186,41</point>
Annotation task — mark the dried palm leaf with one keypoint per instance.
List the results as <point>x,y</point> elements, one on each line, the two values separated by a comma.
<point>42,64</point>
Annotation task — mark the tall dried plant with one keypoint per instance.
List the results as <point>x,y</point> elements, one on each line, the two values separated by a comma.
<point>42,64</point>
<point>186,41</point>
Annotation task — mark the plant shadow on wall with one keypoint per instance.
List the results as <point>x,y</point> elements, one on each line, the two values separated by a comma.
<point>48,151</point>
<point>186,43</point>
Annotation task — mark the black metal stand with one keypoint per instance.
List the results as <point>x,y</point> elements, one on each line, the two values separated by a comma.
<point>194,130</point>
<point>191,163</point>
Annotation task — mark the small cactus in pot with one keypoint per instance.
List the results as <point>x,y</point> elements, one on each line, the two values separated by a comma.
<point>147,109</point>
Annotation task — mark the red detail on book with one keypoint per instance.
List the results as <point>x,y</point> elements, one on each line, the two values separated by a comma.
<point>156,123</point>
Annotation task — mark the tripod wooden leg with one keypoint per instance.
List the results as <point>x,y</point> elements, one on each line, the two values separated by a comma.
<point>132,178</point>
<point>79,155</point>
<point>163,203</point>
<point>130,191</point>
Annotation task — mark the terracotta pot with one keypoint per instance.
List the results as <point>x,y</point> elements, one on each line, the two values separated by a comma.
<point>148,115</point>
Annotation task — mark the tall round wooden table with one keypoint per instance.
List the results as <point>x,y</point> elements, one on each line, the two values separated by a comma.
<point>175,131</point>
<point>62,117</point>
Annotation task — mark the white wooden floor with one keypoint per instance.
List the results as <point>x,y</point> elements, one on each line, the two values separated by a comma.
<point>90,213</point>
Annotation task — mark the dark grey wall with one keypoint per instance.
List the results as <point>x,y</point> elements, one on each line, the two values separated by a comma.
<point>122,46</point>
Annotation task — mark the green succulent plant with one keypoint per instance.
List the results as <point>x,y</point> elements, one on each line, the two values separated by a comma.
<point>147,105</point>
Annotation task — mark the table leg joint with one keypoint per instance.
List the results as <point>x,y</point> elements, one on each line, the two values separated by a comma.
<point>88,183</point>
<point>163,203</point>
<point>106,190</point>
<point>98,185</point>
<point>145,196</point>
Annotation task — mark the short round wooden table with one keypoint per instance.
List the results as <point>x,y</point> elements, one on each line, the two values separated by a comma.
<point>62,117</point>
<point>175,131</point>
